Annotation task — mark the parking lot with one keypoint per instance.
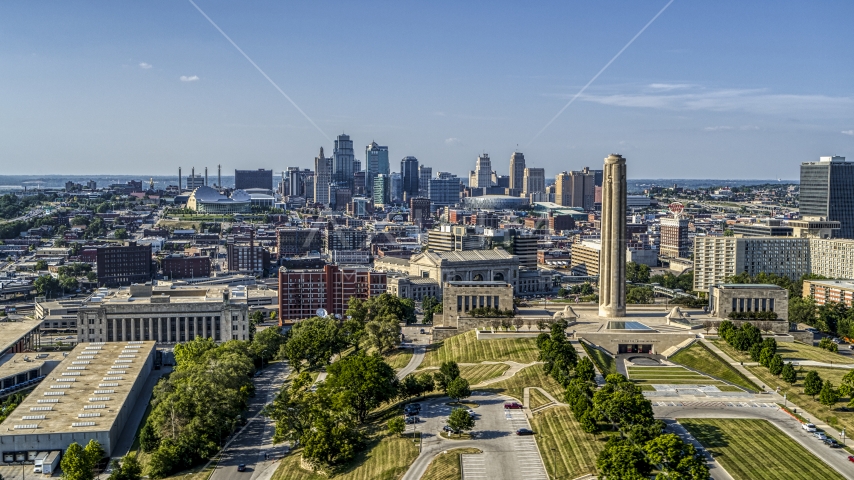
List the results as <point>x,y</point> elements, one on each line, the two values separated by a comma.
<point>505,454</point>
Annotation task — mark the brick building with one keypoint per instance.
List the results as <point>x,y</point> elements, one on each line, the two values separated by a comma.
<point>305,290</point>
<point>123,265</point>
<point>180,266</point>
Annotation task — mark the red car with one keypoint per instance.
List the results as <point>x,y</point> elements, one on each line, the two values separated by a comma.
<point>513,405</point>
<point>851,458</point>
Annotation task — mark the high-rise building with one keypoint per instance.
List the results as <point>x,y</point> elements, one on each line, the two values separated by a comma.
<point>534,181</point>
<point>409,176</point>
<point>396,187</point>
<point>718,258</point>
<point>342,160</point>
<point>482,175</point>
<point>322,178</point>
<point>244,179</point>
<point>294,182</point>
<point>123,265</point>
<point>381,190</point>
<point>827,193</point>
<point>195,181</point>
<point>376,159</point>
<point>577,188</point>
<point>612,258</point>
<point>445,190</point>
<point>424,176</point>
<point>419,211</point>
<point>674,238</point>
<point>305,290</point>
<point>517,171</point>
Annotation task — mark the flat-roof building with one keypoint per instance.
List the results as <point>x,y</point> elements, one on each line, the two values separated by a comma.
<point>164,315</point>
<point>89,396</point>
<point>18,334</point>
<point>827,291</point>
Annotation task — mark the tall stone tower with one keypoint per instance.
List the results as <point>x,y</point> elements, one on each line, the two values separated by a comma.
<point>612,258</point>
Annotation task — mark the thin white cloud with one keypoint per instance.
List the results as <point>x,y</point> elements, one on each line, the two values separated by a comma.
<point>192,78</point>
<point>144,66</point>
<point>717,128</point>
<point>669,86</point>
<point>452,141</point>
<point>726,100</point>
<point>848,132</point>
<point>748,127</point>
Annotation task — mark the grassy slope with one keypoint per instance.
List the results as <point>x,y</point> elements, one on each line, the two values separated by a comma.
<point>790,351</point>
<point>755,449</point>
<point>537,399</point>
<point>466,348</point>
<point>398,358</point>
<point>700,358</point>
<point>478,373</point>
<point>532,376</point>
<point>567,451</point>
<point>446,466</point>
<point>603,361</point>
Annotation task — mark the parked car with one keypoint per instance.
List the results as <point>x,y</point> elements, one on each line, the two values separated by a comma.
<point>471,412</point>
<point>851,458</point>
<point>808,427</point>
<point>241,467</point>
<point>832,443</point>
<point>524,431</point>
<point>836,341</point>
<point>421,331</point>
<point>513,405</point>
<point>447,428</point>
<point>820,436</point>
<point>411,420</point>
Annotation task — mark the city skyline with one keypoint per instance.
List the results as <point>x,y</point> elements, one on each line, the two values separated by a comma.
<point>141,89</point>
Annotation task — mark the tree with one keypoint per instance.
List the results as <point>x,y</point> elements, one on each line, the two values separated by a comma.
<point>802,310</point>
<point>460,420</point>
<point>812,384</point>
<point>584,371</point>
<point>148,440</point>
<point>128,469</point>
<point>624,461</point>
<point>459,389</point>
<point>676,458</point>
<point>365,381</point>
<point>448,372</point>
<point>396,426</point>
<point>765,357</point>
<point>75,464</point>
<point>41,265</point>
<point>312,341</point>
<point>557,354</point>
<point>47,285</point>
<point>828,395</point>
<point>562,292</point>
<point>725,330</point>
<point>789,374</point>
<point>383,333</point>
<point>266,343</point>
<point>427,306</point>
<point>640,295</point>
<point>775,366</point>
<point>121,234</point>
<point>330,441</point>
<point>637,272</point>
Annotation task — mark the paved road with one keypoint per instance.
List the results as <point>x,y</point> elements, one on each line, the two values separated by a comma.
<point>836,458</point>
<point>414,362</point>
<point>253,445</point>
<point>506,455</point>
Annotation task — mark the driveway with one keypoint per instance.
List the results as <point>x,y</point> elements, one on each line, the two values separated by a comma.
<point>506,455</point>
<point>674,410</point>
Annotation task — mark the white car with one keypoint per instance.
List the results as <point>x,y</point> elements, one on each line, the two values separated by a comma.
<point>809,427</point>
<point>820,435</point>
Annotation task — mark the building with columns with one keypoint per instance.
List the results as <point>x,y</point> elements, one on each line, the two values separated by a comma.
<point>164,315</point>
<point>612,257</point>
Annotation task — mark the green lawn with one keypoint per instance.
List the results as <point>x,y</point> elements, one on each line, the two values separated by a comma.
<point>700,358</point>
<point>478,373</point>
<point>398,358</point>
<point>537,399</point>
<point>466,348</point>
<point>790,351</point>
<point>532,376</point>
<point>755,449</point>
<point>604,362</point>
<point>446,465</point>
<point>671,376</point>
<point>567,451</point>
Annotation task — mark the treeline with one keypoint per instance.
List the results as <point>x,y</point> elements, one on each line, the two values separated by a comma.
<point>199,404</point>
<point>14,229</point>
<point>834,318</point>
<point>12,206</point>
<point>640,445</point>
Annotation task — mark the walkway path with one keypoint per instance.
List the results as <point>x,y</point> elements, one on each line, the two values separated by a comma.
<point>515,367</point>
<point>414,362</point>
<point>738,366</point>
<point>553,402</point>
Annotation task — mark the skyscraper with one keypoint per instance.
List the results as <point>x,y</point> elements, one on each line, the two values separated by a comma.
<point>396,189</point>
<point>577,188</point>
<point>342,160</point>
<point>517,171</point>
<point>424,176</point>
<point>376,160</point>
<point>260,178</point>
<point>612,257</point>
<point>445,190</point>
<point>322,178</point>
<point>827,193</point>
<point>409,177</point>
<point>534,181</point>
<point>381,189</point>
<point>482,175</point>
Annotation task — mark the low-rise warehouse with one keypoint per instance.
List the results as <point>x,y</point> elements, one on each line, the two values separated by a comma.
<point>89,395</point>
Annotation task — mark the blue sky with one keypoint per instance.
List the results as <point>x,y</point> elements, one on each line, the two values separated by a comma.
<point>720,89</point>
